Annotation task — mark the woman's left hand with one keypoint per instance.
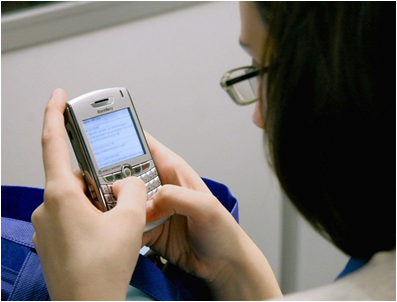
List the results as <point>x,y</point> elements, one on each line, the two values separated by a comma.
<point>85,254</point>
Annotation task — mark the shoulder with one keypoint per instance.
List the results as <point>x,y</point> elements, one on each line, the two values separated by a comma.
<point>375,281</point>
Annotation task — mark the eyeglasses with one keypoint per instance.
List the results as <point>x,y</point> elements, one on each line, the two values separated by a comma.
<point>242,84</point>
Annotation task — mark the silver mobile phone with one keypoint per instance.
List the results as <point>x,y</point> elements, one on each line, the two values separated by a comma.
<point>109,144</point>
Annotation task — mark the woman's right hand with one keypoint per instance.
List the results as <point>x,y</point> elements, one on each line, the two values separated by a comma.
<point>202,237</point>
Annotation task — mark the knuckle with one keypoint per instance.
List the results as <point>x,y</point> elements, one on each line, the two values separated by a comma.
<point>49,136</point>
<point>35,218</point>
<point>56,191</point>
<point>34,239</point>
<point>51,191</point>
<point>164,192</point>
<point>45,137</point>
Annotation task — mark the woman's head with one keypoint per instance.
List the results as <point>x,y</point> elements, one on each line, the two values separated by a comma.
<point>328,109</point>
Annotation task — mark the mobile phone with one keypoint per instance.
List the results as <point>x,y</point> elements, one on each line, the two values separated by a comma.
<point>109,144</point>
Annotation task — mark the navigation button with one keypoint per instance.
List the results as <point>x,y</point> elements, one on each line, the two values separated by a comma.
<point>126,171</point>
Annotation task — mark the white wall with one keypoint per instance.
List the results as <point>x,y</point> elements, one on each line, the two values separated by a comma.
<point>171,64</point>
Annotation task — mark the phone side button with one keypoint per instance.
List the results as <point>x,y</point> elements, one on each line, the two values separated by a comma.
<point>92,191</point>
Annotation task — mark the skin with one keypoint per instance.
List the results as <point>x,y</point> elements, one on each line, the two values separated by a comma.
<point>201,237</point>
<point>252,37</point>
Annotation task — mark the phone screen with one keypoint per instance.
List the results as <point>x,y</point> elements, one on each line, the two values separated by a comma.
<point>113,137</point>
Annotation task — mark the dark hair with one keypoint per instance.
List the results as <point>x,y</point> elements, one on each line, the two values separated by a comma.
<point>330,118</point>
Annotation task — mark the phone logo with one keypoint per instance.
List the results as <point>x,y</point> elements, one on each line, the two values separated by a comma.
<point>107,109</point>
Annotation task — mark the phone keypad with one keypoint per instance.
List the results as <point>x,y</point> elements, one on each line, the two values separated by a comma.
<point>149,176</point>
<point>107,189</point>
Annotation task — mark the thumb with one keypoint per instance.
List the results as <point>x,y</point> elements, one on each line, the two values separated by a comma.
<point>131,198</point>
<point>170,200</point>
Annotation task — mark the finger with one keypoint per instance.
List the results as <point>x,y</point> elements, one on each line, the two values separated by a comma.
<point>170,200</point>
<point>131,198</point>
<point>173,169</point>
<point>55,151</point>
<point>156,148</point>
<point>149,138</point>
<point>79,178</point>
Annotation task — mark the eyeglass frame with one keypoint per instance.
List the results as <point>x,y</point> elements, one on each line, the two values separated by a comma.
<point>227,83</point>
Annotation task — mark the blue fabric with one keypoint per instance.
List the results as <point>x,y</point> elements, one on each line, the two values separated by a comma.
<point>20,202</point>
<point>21,274</point>
<point>30,286</point>
<point>351,266</point>
<point>223,194</point>
<point>159,287</point>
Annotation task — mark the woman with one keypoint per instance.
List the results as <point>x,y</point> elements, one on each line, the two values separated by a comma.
<point>326,107</point>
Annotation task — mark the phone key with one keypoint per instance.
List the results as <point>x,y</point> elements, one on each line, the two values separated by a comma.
<point>109,178</point>
<point>152,186</point>
<point>109,198</point>
<point>137,169</point>
<point>111,205</point>
<point>153,173</point>
<point>145,166</point>
<point>118,176</point>
<point>156,182</point>
<point>152,192</point>
<point>145,177</point>
<point>150,174</point>
<point>106,189</point>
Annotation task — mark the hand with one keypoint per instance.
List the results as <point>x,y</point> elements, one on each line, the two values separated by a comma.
<point>85,254</point>
<point>173,169</point>
<point>201,237</point>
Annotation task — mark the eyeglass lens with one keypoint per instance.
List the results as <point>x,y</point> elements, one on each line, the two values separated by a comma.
<point>246,91</point>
